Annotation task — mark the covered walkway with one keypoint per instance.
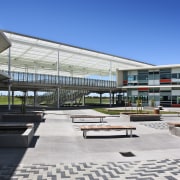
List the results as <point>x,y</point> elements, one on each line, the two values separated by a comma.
<point>36,64</point>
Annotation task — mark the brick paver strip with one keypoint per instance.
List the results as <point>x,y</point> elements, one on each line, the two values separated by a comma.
<point>166,169</point>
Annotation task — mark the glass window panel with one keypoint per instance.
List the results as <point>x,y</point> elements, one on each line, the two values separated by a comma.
<point>142,72</point>
<point>125,75</point>
<point>165,76</point>
<point>151,97</point>
<point>143,77</point>
<point>162,71</point>
<point>178,99</point>
<point>174,76</point>
<point>151,90</point>
<point>156,76</point>
<point>174,99</point>
<point>151,77</point>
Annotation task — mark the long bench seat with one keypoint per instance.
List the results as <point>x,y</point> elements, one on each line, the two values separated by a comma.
<point>177,124</point>
<point>87,116</point>
<point>85,129</point>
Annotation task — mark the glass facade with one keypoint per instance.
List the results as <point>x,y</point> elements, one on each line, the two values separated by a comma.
<point>167,93</point>
<point>153,75</point>
<point>143,77</point>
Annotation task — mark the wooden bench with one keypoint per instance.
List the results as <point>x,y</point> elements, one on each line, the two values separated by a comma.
<point>175,124</point>
<point>87,116</point>
<point>85,129</point>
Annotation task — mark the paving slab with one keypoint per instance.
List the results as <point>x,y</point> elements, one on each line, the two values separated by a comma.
<point>59,151</point>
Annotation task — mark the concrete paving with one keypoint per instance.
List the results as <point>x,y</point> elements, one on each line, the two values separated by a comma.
<point>58,146</point>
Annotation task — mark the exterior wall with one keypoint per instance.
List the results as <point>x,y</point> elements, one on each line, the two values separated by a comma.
<point>153,86</point>
<point>153,82</point>
<point>175,70</point>
<point>176,92</point>
<point>119,79</point>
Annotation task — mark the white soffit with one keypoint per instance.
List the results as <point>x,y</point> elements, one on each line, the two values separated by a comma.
<point>30,53</point>
<point>4,42</point>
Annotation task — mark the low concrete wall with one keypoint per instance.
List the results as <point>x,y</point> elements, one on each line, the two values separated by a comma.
<point>145,117</point>
<point>14,139</point>
<point>141,117</point>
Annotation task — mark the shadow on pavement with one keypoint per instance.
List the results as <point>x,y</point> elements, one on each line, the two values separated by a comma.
<point>110,137</point>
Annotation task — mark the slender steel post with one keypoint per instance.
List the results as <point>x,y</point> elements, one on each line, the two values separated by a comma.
<point>100,98</point>
<point>12,97</point>
<point>110,71</point>
<point>9,84</point>
<point>58,89</point>
<point>35,99</point>
<point>113,98</point>
<point>84,99</point>
<point>110,78</point>
<point>110,98</point>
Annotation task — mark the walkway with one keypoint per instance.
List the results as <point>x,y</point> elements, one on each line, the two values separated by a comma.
<point>31,81</point>
<point>59,151</point>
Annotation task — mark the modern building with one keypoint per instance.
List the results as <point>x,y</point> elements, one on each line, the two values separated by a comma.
<point>158,85</point>
<point>66,73</point>
<point>63,71</point>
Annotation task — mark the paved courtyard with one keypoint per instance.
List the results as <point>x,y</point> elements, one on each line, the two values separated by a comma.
<point>59,151</point>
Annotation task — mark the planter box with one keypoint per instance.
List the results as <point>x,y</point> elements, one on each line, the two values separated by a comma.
<point>174,129</point>
<point>141,117</point>
<point>19,117</point>
<point>130,113</point>
<point>16,135</point>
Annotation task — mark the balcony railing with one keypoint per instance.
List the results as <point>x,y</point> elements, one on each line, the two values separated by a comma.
<point>60,80</point>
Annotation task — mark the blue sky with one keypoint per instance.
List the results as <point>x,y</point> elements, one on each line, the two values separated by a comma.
<point>144,30</point>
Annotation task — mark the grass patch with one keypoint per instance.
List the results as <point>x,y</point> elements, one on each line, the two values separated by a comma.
<point>117,112</point>
<point>110,111</point>
<point>4,100</point>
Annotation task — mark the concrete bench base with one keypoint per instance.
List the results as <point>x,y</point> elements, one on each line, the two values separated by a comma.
<point>85,129</point>
<point>16,135</point>
<point>73,117</point>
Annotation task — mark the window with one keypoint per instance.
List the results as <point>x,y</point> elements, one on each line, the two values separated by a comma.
<point>165,76</point>
<point>132,78</point>
<point>125,75</point>
<point>154,75</point>
<point>154,90</point>
<point>174,76</point>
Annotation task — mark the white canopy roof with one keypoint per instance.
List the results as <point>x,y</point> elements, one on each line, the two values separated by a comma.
<point>4,42</point>
<point>30,54</point>
<point>3,76</point>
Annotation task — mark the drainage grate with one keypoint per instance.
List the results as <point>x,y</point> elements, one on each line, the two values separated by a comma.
<point>127,154</point>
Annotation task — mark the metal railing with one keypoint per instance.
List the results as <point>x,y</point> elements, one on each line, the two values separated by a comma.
<point>60,80</point>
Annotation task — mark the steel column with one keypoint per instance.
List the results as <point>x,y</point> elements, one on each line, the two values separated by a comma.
<point>9,84</point>
<point>110,98</point>
<point>35,99</point>
<point>57,81</point>
<point>100,98</point>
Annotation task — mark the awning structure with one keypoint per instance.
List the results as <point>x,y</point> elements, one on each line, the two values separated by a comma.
<point>35,55</point>
<point>4,42</point>
<point>4,76</point>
